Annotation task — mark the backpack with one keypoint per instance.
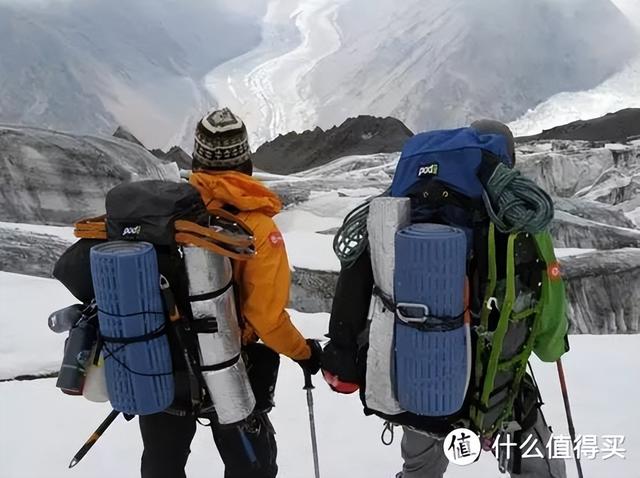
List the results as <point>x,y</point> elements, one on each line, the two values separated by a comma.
<point>458,306</point>
<point>158,266</point>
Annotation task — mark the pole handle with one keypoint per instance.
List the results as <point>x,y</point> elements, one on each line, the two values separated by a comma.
<point>308,382</point>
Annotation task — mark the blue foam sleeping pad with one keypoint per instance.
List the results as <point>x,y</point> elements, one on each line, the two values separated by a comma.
<point>127,285</point>
<point>431,362</point>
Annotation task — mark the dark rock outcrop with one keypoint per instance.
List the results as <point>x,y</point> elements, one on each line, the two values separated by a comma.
<point>123,133</point>
<point>178,155</point>
<point>612,127</point>
<point>175,155</point>
<point>295,152</point>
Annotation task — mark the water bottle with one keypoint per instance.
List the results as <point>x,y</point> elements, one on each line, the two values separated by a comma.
<point>77,353</point>
<point>64,319</point>
<point>95,383</point>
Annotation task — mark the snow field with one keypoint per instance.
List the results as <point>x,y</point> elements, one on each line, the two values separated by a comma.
<point>42,428</point>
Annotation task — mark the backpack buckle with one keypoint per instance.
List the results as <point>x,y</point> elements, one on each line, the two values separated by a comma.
<point>404,311</point>
<point>492,303</point>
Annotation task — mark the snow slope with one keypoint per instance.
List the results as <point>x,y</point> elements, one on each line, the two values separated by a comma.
<point>618,92</point>
<point>38,421</point>
<point>27,346</point>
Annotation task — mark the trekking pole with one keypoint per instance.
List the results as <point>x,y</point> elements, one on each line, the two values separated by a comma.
<point>308,386</point>
<point>93,438</point>
<point>567,407</point>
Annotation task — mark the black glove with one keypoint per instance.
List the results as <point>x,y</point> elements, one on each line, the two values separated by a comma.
<point>313,363</point>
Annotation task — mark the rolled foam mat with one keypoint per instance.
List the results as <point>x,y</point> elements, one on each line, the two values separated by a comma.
<point>386,217</point>
<point>127,284</point>
<point>431,361</point>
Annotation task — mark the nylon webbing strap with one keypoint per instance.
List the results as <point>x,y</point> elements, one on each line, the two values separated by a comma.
<point>436,323</point>
<point>211,295</point>
<point>196,381</point>
<point>154,334</point>
<point>220,366</point>
<point>385,299</point>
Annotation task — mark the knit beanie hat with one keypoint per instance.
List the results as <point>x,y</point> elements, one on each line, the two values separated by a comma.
<point>488,126</point>
<point>221,141</point>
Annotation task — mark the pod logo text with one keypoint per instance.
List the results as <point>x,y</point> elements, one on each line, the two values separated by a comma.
<point>428,170</point>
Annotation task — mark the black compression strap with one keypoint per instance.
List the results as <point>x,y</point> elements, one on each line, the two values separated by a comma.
<point>436,324</point>
<point>499,389</point>
<point>207,325</point>
<point>160,331</point>
<point>210,295</point>
<point>220,366</point>
<point>132,314</point>
<point>386,300</point>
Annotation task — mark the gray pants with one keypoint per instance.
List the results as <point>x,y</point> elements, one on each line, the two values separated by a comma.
<point>424,456</point>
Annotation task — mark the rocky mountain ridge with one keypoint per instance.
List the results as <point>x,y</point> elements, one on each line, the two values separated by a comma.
<point>296,152</point>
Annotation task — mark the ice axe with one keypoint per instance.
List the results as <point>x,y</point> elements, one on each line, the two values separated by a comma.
<point>308,386</point>
<point>94,438</point>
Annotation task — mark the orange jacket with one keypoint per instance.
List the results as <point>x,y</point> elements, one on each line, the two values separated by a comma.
<point>264,280</point>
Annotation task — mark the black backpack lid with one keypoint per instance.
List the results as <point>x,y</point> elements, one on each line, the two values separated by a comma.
<point>147,210</point>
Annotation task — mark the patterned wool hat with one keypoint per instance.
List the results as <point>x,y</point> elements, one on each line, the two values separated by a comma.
<point>221,141</point>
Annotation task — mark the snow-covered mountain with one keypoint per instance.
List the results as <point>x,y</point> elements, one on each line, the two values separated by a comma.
<point>441,64</point>
<point>429,63</point>
<point>88,65</point>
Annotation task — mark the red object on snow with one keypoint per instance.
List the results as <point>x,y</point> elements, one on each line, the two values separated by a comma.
<point>337,385</point>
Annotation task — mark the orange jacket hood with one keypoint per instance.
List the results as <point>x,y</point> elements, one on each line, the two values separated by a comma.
<point>236,189</point>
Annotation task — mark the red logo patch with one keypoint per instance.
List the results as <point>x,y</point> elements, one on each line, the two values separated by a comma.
<point>275,238</point>
<point>554,272</point>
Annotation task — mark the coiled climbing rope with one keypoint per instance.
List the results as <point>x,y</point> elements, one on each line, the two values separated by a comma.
<point>515,203</point>
<point>352,239</point>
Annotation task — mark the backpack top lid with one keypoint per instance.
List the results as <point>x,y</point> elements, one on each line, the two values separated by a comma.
<point>147,210</point>
<point>452,156</point>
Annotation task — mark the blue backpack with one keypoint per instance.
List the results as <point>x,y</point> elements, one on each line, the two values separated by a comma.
<point>440,273</point>
<point>441,171</point>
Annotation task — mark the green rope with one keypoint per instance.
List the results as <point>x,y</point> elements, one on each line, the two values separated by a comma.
<point>352,239</point>
<point>515,203</point>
